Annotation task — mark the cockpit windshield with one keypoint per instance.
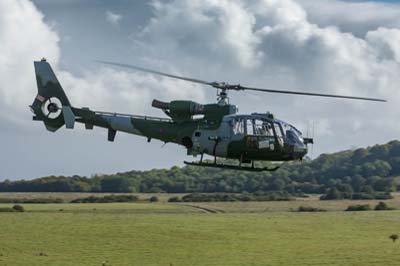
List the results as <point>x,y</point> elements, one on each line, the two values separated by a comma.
<point>292,134</point>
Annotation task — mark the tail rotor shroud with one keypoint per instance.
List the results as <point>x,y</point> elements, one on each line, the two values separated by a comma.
<point>52,108</point>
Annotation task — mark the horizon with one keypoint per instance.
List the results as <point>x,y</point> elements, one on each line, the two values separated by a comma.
<point>169,168</point>
<point>287,45</point>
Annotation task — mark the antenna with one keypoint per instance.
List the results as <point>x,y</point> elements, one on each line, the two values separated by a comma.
<point>313,135</point>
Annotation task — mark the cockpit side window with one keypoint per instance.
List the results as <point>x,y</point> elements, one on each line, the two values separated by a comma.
<point>278,130</point>
<point>279,133</point>
<point>238,126</point>
<point>262,128</point>
<point>249,127</point>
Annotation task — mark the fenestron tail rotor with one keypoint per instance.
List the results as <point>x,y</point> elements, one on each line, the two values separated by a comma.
<point>52,108</point>
<point>225,86</point>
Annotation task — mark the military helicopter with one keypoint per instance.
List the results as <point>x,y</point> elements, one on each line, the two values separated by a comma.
<point>214,129</point>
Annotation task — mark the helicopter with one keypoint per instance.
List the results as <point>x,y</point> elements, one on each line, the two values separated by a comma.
<point>214,129</point>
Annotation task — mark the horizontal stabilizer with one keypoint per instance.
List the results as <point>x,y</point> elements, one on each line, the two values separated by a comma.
<point>69,117</point>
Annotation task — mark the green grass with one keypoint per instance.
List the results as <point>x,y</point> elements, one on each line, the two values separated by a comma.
<point>175,234</point>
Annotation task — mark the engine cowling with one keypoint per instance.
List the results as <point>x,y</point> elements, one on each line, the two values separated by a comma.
<point>179,110</point>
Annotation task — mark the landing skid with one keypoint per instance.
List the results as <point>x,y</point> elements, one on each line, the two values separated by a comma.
<point>233,167</point>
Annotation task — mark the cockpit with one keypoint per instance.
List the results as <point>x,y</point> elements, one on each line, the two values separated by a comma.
<point>292,135</point>
<point>263,131</point>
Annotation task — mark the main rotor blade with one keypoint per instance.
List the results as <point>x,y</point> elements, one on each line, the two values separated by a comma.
<point>311,94</point>
<point>156,72</point>
<point>225,86</point>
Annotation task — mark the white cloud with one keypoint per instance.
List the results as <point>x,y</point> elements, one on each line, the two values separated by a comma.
<point>357,17</point>
<point>113,18</point>
<point>274,44</point>
<point>120,91</point>
<point>23,38</point>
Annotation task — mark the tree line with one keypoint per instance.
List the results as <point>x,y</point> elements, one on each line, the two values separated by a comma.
<point>365,171</point>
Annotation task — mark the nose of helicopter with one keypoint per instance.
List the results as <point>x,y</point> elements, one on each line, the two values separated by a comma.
<point>299,148</point>
<point>299,151</point>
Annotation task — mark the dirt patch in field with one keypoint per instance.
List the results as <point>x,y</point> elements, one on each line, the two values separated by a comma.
<point>204,209</point>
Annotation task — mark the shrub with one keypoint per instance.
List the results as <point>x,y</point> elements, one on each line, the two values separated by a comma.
<point>24,200</point>
<point>394,237</point>
<point>174,199</point>
<point>309,209</point>
<point>356,196</point>
<point>382,206</point>
<point>107,199</point>
<point>153,199</point>
<point>383,196</point>
<point>217,197</point>
<point>18,208</point>
<point>362,196</point>
<point>358,207</point>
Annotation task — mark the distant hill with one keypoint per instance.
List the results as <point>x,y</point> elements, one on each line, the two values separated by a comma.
<point>366,170</point>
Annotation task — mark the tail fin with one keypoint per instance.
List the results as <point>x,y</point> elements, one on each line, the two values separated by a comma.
<point>51,104</point>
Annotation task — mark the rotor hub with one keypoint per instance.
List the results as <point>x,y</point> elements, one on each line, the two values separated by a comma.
<point>223,98</point>
<point>52,108</point>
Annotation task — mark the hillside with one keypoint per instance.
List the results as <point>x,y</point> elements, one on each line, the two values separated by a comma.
<point>353,171</point>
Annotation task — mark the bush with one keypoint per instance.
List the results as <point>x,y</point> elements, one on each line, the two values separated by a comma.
<point>18,208</point>
<point>24,200</point>
<point>309,209</point>
<point>383,196</point>
<point>153,199</point>
<point>6,209</point>
<point>107,199</point>
<point>356,196</point>
<point>15,208</point>
<point>381,206</point>
<point>224,197</point>
<point>394,237</point>
<point>174,199</point>
<point>362,196</point>
<point>359,207</point>
<point>370,196</point>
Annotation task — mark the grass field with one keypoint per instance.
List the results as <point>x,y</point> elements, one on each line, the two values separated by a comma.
<point>252,233</point>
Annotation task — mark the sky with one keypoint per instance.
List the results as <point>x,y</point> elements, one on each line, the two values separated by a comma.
<point>325,46</point>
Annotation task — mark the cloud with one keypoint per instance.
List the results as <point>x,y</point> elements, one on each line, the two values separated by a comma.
<point>370,14</point>
<point>113,18</point>
<point>278,44</point>
<point>119,91</point>
<point>23,37</point>
<point>275,44</point>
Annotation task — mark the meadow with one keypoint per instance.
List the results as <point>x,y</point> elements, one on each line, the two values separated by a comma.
<point>174,234</point>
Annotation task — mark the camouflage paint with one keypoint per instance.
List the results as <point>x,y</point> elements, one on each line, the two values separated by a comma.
<point>211,134</point>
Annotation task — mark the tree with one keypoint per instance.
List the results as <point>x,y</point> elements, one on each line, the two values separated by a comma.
<point>367,189</point>
<point>357,182</point>
<point>384,184</point>
<point>394,237</point>
<point>115,184</point>
<point>332,194</point>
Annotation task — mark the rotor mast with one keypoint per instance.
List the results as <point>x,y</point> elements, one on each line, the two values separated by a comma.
<point>222,97</point>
